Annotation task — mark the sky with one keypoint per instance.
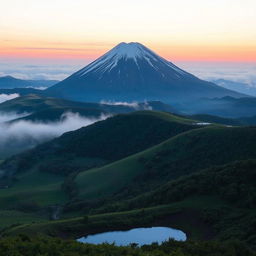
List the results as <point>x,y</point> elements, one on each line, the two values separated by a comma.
<point>66,31</point>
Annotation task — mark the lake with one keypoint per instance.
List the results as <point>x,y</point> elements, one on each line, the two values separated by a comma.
<point>140,236</point>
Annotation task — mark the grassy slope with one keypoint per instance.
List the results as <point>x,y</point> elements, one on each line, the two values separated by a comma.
<point>151,216</point>
<point>33,103</point>
<point>44,188</point>
<point>200,213</point>
<point>193,203</point>
<point>233,184</point>
<point>204,205</point>
<point>134,132</point>
<point>41,188</point>
<point>108,180</point>
<point>101,182</point>
<point>185,153</point>
<point>11,217</point>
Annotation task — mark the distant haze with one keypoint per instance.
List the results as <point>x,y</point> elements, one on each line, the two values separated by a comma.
<point>34,69</point>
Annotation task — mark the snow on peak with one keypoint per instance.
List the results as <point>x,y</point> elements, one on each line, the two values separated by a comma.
<point>132,50</point>
<point>128,50</point>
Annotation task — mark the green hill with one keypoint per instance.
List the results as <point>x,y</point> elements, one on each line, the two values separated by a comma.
<point>39,110</point>
<point>105,141</point>
<point>159,169</point>
<point>216,203</point>
<point>233,184</point>
<point>91,146</point>
<point>183,154</point>
<point>34,103</point>
<point>34,111</point>
<point>218,120</point>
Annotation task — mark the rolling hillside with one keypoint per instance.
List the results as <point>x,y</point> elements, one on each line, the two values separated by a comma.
<point>33,103</point>
<point>216,203</point>
<point>144,185</point>
<point>31,120</point>
<point>232,184</point>
<point>183,154</point>
<point>108,140</point>
<point>91,146</point>
<point>184,148</point>
<point>38,104</point>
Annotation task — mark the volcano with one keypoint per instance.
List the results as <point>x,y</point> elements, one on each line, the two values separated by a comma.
<point>132,72</point>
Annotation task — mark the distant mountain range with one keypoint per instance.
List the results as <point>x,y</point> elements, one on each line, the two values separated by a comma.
<point>21,91</point>
<point>9,82</point>
<point>225,107</point>
<point>36,105</point>
<point>237,86</point>
<point>132,72</point>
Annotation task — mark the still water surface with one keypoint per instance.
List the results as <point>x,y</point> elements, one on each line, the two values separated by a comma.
<point>140,236</point>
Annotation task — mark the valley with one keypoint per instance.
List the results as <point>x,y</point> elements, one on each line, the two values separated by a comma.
<point>134,191</point>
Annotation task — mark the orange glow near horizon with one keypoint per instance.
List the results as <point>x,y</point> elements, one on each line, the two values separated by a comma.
<point>184,30</point>
<point>172,53</point>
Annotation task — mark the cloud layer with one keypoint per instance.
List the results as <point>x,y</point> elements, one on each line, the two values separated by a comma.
<point>35,71</point>
<point>236,72</point>
<point>134,104</point>
<point>5,97</point>
<point>23,134</point>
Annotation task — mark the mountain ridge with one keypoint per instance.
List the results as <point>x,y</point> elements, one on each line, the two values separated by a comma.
<point>10,82</point>
<point>132,72</point>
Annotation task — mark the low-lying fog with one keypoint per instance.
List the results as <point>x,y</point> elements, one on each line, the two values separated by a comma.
<point>134,104</point>
<point>23,134</point>
<point>4,97</point>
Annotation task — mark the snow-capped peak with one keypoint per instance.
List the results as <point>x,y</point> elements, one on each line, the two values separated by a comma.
<point>128,50</point>
<point>125,51</point>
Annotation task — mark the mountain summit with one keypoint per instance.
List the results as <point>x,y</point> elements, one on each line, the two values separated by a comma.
<point>135,52</point>
<point>132,72</point>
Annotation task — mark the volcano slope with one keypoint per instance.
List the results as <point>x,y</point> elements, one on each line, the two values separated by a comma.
<point>132,72</point>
